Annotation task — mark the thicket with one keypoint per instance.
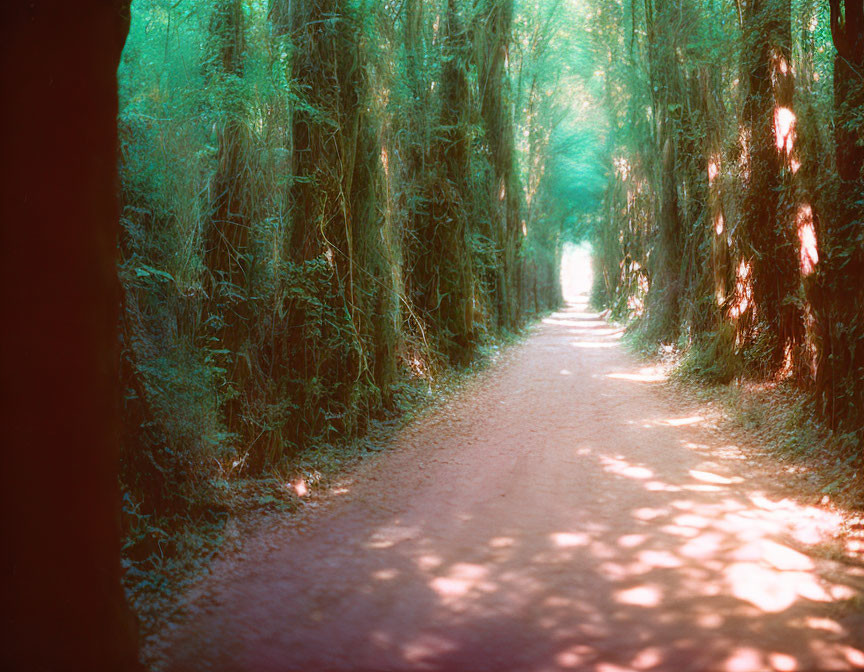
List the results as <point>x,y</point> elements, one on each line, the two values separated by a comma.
<point>733,217</point>
<point>324,202</point>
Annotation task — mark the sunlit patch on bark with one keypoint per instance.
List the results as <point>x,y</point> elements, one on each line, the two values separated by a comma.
<point>743,290</point>
<point>807,238</point>
<point>784,129</point>
<point>788,361</point>
<point>713,170</point>
<point>744,157</point>
<point>385,161</point>
<point>719,224</point>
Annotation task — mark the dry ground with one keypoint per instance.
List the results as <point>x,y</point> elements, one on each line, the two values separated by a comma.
<point>560,513</point>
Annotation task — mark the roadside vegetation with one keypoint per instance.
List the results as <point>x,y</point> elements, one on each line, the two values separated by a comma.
<point>732,227</point>
<point>330,209</point>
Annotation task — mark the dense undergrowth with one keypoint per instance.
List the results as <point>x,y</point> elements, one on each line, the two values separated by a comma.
<point>329,207</point>
<point>165,553</point>
<point>732,227</point>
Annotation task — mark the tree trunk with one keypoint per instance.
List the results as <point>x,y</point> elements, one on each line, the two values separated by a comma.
<point>667,96</point>
<point>497,17</point>
<point>770,131</point>
<point>840,364</point>
<point>63,605</point>
<point>847,32</point>
<point>228,234</point>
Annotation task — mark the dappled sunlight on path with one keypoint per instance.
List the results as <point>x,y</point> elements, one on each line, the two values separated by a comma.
<point>558,514</point>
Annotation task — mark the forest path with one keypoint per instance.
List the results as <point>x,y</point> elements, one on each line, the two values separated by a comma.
<point>560,513</point>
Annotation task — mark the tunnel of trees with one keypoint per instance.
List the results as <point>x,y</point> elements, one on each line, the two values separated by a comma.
<point>321,206</point>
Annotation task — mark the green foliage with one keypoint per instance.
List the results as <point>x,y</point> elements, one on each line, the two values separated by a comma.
<point>314,231</point>
<point>712,357</point>
<point>706,215</point>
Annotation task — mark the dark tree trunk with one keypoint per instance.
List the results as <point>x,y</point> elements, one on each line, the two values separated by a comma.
<point>325,69</point>
<point>228,234</point>
<point>450,262</point>
<point>840,302</point>
<point>495,106</point>
<point>767,231</point>
<point>848,35</point>
<point>336,156</point>
<point>63,605</point>
<point>229,231</point>
<point>438,264</point>
<point>667,97</point>
<point>713,112</point>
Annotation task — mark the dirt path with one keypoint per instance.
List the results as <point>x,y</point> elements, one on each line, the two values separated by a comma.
<point>559,514</point>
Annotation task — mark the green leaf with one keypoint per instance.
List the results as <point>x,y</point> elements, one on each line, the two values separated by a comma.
<point>148,271</point>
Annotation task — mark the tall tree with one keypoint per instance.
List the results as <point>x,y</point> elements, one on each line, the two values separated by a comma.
<point>442,275</point>
<point>667,93</point>
<point>335,161</point>
<point>492,37</point>
<point>847,31</point>
<point>227,239</point>
<point>840,363</point>
<point>768,137</point>
<point>63,605</point>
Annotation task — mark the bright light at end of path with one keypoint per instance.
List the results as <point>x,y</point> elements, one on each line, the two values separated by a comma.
<point>576,274</point>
